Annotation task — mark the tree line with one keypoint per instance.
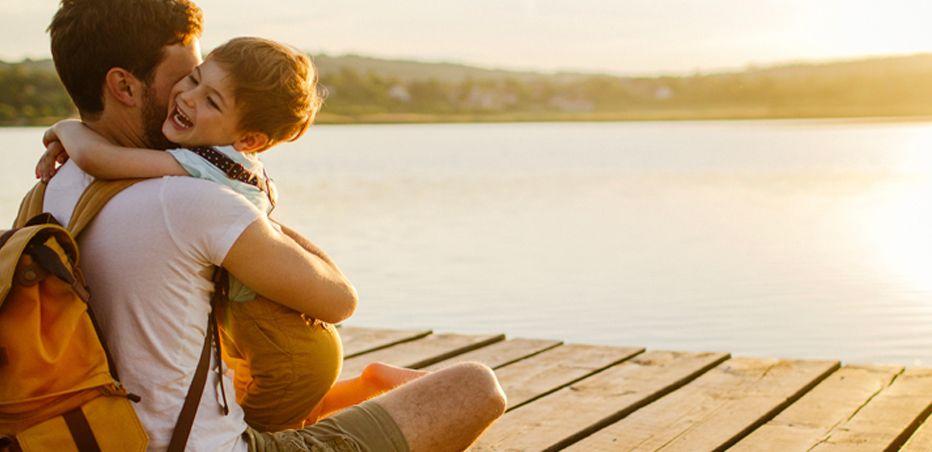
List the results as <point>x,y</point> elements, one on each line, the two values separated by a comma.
<point>30,93</point>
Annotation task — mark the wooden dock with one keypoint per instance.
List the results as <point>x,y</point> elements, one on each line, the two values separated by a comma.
<point>593,398</point>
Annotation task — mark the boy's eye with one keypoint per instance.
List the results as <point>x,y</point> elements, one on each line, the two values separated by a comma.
<point>192,79</point>
<point>212,103</point>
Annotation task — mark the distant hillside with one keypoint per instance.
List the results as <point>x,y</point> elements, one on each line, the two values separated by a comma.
<point>872,67</point>
<point>31,65</point>
<point>365,89</point>
<point>406,70</point>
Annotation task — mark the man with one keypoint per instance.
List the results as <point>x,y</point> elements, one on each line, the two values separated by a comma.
<point>150,252</point>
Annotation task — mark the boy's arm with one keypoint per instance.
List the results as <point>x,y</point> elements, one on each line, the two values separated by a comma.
<point>99,158</point>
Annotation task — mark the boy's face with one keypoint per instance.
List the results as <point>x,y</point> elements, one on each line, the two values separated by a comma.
<point>179,61</point>
<point>201,108</point>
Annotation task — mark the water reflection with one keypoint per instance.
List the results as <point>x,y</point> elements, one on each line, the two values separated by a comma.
<point>774,238</point>
<point>897,231</point>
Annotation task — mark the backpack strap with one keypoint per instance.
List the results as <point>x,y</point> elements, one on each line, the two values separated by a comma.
<point>192,399</point>
<point>94,198</point>
<point>31,205</point>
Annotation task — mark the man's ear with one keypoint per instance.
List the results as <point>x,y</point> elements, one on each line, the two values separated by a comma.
<point>124,87</point>
<point>251,142</point>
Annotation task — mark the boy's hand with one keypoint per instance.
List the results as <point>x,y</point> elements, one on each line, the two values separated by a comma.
<point>55,154</point>
<point>52,159</point>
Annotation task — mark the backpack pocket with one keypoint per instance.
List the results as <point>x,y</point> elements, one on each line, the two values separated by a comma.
<point>107,423</point>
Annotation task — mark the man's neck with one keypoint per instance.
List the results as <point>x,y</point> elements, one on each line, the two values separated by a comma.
<point>117,130</point>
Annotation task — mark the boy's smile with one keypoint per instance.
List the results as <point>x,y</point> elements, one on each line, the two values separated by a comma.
<point>202,108</point>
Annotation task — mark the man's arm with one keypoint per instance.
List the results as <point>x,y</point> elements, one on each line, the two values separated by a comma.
<point>303,242</point>
<point>288,268</point>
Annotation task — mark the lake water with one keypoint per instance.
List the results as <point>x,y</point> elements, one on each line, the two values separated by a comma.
<point>804,239</point>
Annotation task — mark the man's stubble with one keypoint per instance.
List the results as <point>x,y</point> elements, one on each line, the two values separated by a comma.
<point>153,116</point>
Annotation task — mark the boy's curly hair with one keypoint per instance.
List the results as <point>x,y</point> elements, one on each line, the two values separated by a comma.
<point>275,86</point>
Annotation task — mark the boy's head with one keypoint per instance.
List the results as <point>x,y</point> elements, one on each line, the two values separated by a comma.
<point>275,87</point>
<point>153,42</point>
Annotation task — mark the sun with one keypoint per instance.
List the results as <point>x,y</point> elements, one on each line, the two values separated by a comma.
<point>898,229</point>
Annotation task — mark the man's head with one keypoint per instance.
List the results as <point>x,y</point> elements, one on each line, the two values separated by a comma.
<point>129,52</point>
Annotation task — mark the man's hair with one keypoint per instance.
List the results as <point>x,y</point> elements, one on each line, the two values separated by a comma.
<point>275,86</point>
<point>90,37</point>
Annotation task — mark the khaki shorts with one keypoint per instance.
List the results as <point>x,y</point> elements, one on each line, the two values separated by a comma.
<point>283,364</point>
<point>361,428</point>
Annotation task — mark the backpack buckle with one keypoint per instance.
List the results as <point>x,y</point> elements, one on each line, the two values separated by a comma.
<point>9,444</point>
<point>29,272</point>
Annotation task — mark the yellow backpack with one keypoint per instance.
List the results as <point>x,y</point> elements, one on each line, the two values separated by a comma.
<point>58,390</point>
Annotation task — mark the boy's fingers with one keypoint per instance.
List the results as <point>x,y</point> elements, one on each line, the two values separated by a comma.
<point>45,168</point>
<point>49,136</point>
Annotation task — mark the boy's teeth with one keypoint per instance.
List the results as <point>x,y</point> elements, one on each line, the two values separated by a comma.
<point>181,119</point>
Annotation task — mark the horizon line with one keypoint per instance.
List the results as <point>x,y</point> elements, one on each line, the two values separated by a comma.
<point>746,67</point>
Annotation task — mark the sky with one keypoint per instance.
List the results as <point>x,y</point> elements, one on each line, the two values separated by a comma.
<point>625,37</point>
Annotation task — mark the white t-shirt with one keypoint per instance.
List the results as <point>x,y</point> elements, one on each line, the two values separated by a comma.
<point>148,258</point>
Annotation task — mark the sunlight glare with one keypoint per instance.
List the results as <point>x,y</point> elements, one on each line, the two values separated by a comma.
<point>898,229</point>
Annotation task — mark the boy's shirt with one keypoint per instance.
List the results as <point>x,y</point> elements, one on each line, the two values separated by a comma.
<point>198,167</point>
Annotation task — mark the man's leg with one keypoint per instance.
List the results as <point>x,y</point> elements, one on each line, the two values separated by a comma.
<point>448,409</point>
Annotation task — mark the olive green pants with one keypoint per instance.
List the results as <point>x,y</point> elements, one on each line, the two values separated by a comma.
<point>366,427</point>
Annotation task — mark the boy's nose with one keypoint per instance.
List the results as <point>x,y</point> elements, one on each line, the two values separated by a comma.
<point>186,98</point>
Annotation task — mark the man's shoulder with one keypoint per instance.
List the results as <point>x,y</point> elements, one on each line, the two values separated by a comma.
<point>194,189</point>
<point>197,198</point>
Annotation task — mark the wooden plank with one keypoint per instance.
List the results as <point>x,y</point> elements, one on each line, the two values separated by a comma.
<point>421,352</point>
<point>889,419</point>
<point>814,416</point>
<point>553,369</point>
<point>715,410</point>
<point>357,341</point>
<point>500,353</point>
<point>921,441</point>
<point>574,412</point>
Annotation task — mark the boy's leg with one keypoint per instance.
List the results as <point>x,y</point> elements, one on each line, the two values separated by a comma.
<point>448,409</point>
<point>291,364</point>
<point>384,376</point>
<point>376,379</point>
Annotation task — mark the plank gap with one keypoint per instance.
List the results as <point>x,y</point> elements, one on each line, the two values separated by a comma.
<point>609,420</point>
<point>767,417</point>
<point>575,380</point>
<point>465,349</point>
<point>389,338</point>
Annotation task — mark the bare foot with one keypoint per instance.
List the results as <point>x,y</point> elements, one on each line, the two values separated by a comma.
<point>376,378</point>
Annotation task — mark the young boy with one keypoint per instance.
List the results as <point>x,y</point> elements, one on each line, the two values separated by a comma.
<point>248,95</point>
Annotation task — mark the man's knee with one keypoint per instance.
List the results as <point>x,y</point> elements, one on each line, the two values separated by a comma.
<point>484,387</point>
